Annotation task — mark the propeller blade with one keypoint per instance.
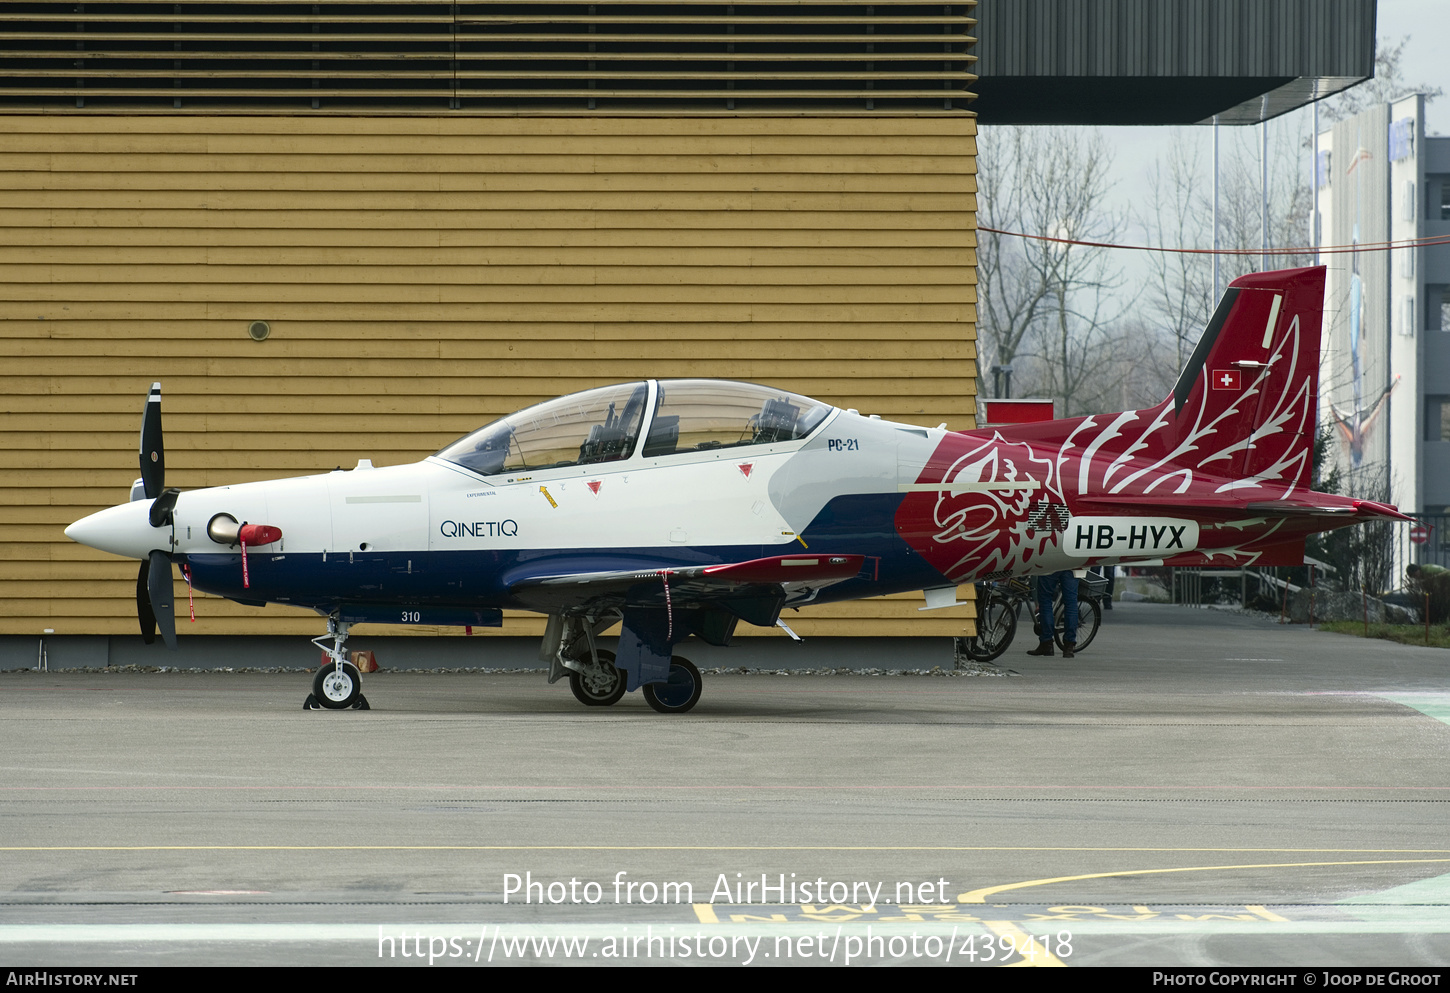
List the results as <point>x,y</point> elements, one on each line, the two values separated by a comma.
<point>153,455</point>
<point>158,585</point>
<point>144,613</point>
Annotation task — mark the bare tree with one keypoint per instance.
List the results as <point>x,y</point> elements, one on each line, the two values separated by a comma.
<point>1387,85</point>
<point>1078,344</point>
<point>1363,555</point>
<point>1147,364</point>
<point>1179,214</point>
<point>1045,301</point>
<point>1012,292</point>
<point>1241,196</point>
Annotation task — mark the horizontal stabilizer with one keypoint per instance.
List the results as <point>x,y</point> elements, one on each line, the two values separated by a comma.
<point>1297,509</point>
<point>1373,508</point>
<point>1321,505</point>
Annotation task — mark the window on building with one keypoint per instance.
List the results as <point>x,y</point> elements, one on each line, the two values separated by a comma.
<point>1437,307</point>
<point>1437,196</point>
<point>1402,139</point>
<point>1437,418</point>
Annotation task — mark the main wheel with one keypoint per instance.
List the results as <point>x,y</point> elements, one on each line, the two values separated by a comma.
<point>1089,616</point>
<point>996,626</point>
<point>337,690</point>
<point>598,688</point>
<point>680,692</point>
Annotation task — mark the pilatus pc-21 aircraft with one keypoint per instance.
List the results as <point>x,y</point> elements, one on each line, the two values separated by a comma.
<point>682,507</point>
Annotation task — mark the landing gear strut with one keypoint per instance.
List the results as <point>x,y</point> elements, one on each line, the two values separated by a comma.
<point>572,653</point>
<point>338,684</point>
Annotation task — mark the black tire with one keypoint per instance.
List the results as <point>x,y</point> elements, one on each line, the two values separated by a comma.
<point>996,627</point>
<point>592,694</point>
<point>337,690</point>
<point>680,693</point>
<point>1089,618</point>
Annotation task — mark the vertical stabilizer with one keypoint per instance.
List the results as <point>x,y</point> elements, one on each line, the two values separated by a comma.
<point>1245,403</point>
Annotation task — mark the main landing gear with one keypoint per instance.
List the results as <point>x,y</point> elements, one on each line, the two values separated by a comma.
<point>597,683</point>
<point>603,686</point>
<point>572,652</point>
<point>680,692</point>
<point>338,684</point>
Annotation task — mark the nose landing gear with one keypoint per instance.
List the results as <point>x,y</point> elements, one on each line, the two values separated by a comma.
<point>338,684</point>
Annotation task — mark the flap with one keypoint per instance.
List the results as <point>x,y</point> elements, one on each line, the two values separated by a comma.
<point>772,577</point>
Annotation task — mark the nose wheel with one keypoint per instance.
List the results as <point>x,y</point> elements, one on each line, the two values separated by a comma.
<point>337,690</point>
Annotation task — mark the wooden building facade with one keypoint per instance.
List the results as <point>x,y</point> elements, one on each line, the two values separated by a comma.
<point>424,270</point>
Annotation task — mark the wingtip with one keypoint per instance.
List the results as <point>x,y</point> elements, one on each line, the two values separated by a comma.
<point>1373,508</point>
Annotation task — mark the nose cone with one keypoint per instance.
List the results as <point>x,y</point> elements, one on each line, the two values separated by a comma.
<point>121,530</point>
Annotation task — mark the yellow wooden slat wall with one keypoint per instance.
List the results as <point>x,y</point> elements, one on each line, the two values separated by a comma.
<point>423,276</point>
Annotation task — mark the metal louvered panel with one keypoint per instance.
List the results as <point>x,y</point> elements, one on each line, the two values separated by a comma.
<point>383,55</point>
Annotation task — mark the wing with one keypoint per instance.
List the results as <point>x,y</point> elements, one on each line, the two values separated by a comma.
<point>741,587</point>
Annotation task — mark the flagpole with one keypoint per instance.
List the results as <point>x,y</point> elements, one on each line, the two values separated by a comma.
<point>1215,210</point>
<point>1264,191</point>
<point>1314,183</point>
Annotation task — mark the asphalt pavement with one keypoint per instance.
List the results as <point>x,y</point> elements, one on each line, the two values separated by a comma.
<point>1198,788</point>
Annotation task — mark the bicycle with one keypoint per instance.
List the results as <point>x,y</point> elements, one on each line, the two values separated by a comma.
<point>998,606</point>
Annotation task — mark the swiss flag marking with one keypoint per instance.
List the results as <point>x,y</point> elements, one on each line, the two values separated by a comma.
<point>745,468</point>
<point>594,485</point>
<point>1227,379</point>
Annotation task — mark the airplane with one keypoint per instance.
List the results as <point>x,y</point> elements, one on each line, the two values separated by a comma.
<point>679,508</point>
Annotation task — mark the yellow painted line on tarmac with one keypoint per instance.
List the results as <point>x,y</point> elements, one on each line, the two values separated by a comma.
<point>1031,950</point>
<point>705,914</point>
<point>981,895</point>
<point>1265,913</point>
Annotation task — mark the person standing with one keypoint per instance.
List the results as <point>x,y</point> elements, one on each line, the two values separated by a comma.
<point>1047,587</point>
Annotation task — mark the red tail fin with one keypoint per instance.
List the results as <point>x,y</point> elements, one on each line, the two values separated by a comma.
<point>1245,403</point>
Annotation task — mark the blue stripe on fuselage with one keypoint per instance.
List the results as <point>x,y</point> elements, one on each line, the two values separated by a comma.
<point>848,525</point>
